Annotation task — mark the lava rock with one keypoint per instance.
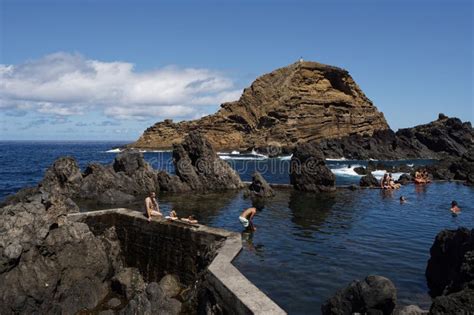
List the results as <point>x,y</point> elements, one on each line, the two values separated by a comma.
<point>405,179</point>
<point>63,177</point>
<point>170,285</point>
<point>40,241</point>
<point>451,265</point>
<point>369,180</point>
<point>461,302</point>
<point>308,170</point>
<point>114,302</point>
<point>360,170</point>
<point>259,186</point>
<point>128,282</point>
<point>374,295</point>
<point>199,168</point>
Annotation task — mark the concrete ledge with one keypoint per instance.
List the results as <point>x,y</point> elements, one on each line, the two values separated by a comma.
<point>231,291</point>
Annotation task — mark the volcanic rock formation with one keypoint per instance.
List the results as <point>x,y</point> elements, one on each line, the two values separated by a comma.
<point>304,101</point>
<point>444,137</point>
<point>308,170</point>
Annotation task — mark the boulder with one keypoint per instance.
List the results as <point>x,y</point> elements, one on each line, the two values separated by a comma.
<point>127,178</point>
<point>170,285</point>
<point>308,170</point>
<point>114,302</point>
<point>369,180</point>
<point>128,282</point>
<point>63,177</point>
<point>360,170</point>
<point>374,295</point>
<point>451,265</point>
<point>199,168</point>
<point>405,179</point>
<point>461,302</point>
<point>259,186</point>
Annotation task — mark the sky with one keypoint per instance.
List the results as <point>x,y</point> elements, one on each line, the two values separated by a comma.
<point>107,70</point>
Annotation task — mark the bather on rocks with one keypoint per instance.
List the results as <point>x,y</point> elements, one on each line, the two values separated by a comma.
<point>151,206</point>
<point>385,182</point>
<point>392,183</point>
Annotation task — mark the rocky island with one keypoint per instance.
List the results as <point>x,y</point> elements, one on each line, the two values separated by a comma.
<point>302,102</point>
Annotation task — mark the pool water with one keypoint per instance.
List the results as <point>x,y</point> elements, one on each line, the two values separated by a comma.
<point>307,246</point>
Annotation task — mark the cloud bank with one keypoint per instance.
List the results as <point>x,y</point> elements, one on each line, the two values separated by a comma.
<point>64,84</point>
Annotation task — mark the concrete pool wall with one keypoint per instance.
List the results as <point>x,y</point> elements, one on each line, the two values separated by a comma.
<point>195,253</point>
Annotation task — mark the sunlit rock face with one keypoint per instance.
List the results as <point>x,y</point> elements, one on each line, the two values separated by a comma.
<point>304,101</point>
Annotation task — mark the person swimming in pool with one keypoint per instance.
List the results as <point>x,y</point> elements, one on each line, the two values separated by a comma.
<point>454,208</point>
<point>246,218</point>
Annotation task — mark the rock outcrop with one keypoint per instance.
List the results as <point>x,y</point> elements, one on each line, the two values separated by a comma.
<point>47,264</point>
<point>458,168</point>
<point>451,265</point>
<point>444,137</point>
<point>374,295</point>
<point>308,170</point>
<point>305,101</point>
<point>199,168</point>
<point>259,187</point>
<point>369,180</point>
<point>450,272</point>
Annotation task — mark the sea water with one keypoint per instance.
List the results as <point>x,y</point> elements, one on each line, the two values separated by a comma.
<point>307,246</point>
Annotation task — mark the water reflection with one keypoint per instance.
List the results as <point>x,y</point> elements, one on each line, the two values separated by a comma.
<point>309,211</point>
<point>421,189</point>
<point>248,244</point>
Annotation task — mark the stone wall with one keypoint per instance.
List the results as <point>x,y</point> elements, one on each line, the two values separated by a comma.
<point>192,252</point>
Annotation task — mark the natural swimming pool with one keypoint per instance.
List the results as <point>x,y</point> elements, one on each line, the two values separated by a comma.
<point>307,246</point>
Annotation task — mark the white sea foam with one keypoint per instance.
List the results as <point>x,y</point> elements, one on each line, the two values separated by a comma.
<point>285,157</point>
<point>340,159</point>
<point>236,155</point>
<point>155,151</point>
<point>116,150</point>
<point>379,174</point>
<point>346,171</point>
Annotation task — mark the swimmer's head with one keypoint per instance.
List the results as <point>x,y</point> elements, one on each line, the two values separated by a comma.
<point>454,203</point>
<point>402,198</point>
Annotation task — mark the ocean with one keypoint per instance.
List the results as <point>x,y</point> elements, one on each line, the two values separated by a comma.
<point>306,246</point>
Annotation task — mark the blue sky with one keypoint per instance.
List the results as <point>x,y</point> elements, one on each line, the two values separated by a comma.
<point>107,70</point>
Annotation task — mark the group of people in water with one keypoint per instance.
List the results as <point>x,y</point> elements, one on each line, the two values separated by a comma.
<point>422,177</point>
<point>387,182</point>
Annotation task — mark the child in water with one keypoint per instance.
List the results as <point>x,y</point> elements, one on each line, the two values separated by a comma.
<point>454,208</point>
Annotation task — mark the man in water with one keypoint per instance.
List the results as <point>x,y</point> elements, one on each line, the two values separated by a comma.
<point>403,199</point>
<point>454,208</point>
<point>151,206</point>
<point>246,218</point>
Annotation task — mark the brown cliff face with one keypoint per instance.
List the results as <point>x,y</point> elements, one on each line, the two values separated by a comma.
<point>303,102</point>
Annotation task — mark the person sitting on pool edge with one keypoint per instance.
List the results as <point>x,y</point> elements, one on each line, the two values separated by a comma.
<point>454,207</point>
<point>151,206</point>
<point>246,218</point>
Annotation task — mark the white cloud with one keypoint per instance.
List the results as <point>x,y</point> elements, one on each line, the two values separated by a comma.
<point>64,84</point>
